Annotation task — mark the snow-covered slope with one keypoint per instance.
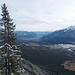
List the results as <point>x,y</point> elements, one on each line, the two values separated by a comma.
<point>30,69</point>
<point>71,28</point>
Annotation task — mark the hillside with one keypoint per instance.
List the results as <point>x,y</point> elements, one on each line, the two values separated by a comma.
<point>30,69</point>
<point>48,57</point>
<point>66,35</point>
<point>25,34</point>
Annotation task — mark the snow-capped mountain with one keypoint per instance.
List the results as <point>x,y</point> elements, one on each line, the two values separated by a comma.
<point>66,35</point>
<point>71,27</point>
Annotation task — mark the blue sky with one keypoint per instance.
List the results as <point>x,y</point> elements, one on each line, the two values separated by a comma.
<point>41,15</point>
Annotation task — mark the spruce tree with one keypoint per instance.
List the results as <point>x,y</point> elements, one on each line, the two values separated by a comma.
<point>7,27</point>
<point>9,52</point>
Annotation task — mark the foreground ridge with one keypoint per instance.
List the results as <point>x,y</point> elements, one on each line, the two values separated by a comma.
<point>11,62</point>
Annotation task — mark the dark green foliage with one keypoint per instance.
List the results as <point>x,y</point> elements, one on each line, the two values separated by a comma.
<point>7,27</point>
<point>9,60</point>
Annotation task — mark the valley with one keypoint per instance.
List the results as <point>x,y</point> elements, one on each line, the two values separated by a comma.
<point>37,37</point>
<point>54,52</point>
<point>48,57</point>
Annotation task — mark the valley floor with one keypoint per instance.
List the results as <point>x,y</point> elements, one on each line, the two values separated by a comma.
<point>49,57</point>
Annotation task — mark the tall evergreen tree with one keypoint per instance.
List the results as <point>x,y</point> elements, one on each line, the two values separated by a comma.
<point>9,53</point>
<point>7,26</point>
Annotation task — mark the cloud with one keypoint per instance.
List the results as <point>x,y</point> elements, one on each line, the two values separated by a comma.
<point>41,14</point>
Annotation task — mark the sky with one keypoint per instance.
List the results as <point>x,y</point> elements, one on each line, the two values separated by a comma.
<point>41,15</point>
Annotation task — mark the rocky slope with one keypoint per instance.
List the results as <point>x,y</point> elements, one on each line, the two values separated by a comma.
<point>30,69</point>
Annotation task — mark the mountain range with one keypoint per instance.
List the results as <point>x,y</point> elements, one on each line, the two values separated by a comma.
<point>66,35</point>
<point>63,36</point>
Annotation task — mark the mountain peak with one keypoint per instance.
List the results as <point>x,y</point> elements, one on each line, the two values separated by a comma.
<point>71,27</point>
<point>66,35</point>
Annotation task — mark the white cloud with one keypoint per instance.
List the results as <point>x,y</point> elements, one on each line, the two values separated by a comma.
<point>43,15</point>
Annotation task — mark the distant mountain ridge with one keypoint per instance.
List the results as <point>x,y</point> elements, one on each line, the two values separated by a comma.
<point>66,35</point>
<point>25,34</point>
